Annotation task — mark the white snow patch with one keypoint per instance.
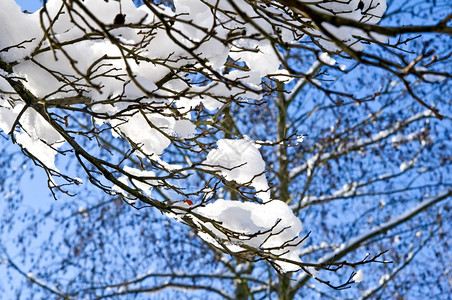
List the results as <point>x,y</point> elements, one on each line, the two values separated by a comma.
<point>240,161</point>
<point>326,59</point>
<point>270,227</point>
<point>359,276</point>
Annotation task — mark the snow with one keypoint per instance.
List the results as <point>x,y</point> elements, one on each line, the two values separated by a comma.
<point>79,57</point>
<point>405,138</point>
<point>313,271</point>
<point>8,114</point>
<point>255,60</point>
<point>241,268</point>
<point>271,227</point>
<point>405,166</point>
<point>347,190</point>
<point>326,59</point>
<point>300,138</point>
<point>146,186</point>
<point>185,128</point>
<point>371,13</point>
<point>433,78</point>
<point>384,278</point>
<point>39,149</point>
<point>36,135</point>
<point>56,73</point>
<point>359,276</point>
<point>152,140</point>
<point>240,161</point>
<point>17,27</point>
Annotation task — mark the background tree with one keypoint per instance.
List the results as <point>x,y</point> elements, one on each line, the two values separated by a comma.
<point>140,107</point>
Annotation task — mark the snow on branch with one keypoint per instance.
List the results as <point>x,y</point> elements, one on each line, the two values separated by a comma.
<point>127,96</point>
<point>248,229</point>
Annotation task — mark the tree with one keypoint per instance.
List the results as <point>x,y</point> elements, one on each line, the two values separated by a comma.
<point>150,121</point>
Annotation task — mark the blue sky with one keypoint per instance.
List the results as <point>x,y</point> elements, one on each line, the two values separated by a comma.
<point>35,189</point>
<point>30,5</point>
